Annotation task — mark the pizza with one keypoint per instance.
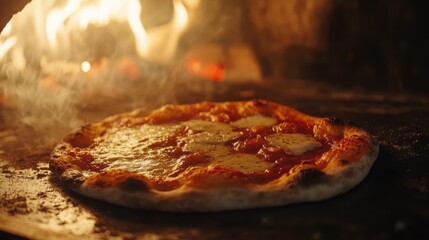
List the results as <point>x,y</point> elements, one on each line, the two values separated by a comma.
<point>212,156</point>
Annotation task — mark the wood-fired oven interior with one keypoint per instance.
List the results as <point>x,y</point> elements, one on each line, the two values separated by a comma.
<point>360,60</point>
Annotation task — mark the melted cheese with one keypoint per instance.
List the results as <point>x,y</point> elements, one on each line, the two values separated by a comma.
<point>211,150</point>
<point>221,155</point>
<point>254,121</point>
<point>293,144</point>
<point>128,149</point>
<point>243,162</point>
<point>131,148</point>
<point>209,132</point>
<point>201,125</point>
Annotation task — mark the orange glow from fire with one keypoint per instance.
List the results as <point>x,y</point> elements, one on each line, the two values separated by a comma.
<point>213,71</point>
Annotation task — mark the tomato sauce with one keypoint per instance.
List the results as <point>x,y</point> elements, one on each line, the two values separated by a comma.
<point>251,141</point>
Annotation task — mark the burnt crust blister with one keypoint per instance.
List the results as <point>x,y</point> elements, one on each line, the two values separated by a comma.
<point>72,178</point>
<point>310,177</point>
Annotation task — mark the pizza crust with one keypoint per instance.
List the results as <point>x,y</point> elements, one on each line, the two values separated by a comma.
<point>211,189</point>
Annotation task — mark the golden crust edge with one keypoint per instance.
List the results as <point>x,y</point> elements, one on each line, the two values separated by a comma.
<point>287,190</point>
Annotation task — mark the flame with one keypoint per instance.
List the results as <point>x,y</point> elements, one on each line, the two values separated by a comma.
<point>157,48</point>
<point>9,42</point>
<point>56,19</point>
<point>139,31</point>
<point>180,16</point>
<point>103,11</point>
<point>7,28</point>
<point>57,23</point>
<point>6,46</point>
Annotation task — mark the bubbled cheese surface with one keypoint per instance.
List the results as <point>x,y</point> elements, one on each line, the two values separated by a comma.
<point>129,149</point>
<point>209,132</point>
<point>254,121</point>
<point>293,143</point>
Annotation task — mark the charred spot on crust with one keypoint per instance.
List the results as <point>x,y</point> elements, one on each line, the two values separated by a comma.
<point>310,176</point>
<point>72,178</point>
<point>344,162</point>
<point>336,121</point>
<point>62,147</point>
<point>339,122</point>
<point>56,168</point>
<point>55,155</point>
<point>117,178</point>
<point>133,185</point>
<point>259,103</point>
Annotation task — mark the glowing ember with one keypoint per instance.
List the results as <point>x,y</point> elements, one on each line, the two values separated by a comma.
<point>214,71</point>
